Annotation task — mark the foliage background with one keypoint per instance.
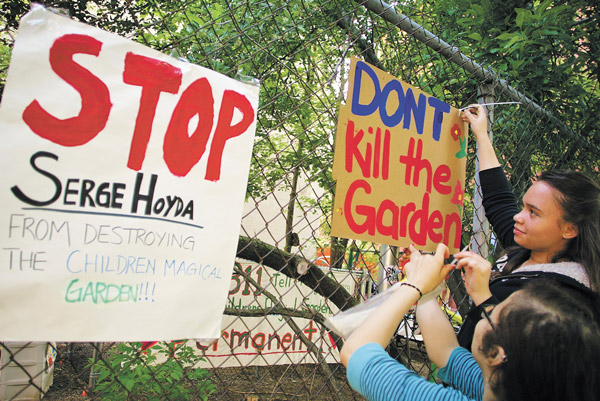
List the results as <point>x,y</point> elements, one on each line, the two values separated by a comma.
<point>544,52</point>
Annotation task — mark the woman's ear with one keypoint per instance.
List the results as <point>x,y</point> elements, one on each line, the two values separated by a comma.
<point>569,231</point>
<point>499,357</point>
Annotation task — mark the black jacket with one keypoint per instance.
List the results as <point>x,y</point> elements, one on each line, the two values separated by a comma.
<point>500,207</point>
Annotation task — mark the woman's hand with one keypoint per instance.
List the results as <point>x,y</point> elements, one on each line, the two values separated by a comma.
<point>476,275</point>
<point>479,125</point>
<point>478,120</point>
<point>423,271</point>
<point>427,271</point>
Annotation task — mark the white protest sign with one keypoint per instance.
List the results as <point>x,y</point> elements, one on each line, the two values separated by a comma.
<point>122,185</point>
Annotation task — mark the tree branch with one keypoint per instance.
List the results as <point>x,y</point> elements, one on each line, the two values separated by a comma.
<point>307,314</point>
<point>296,268</point>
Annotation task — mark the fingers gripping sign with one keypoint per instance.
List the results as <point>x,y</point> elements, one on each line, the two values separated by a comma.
<point>476,275</point>
<point>476,116</point>
<point>427,271</point>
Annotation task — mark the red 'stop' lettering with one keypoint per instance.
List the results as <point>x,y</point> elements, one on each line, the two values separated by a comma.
<point>225,131</point>
<point>182,152</point>
<point>95,97</point>
<point>154,76</point>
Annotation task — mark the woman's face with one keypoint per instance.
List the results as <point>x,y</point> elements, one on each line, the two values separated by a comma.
<point>484,325</point>
<point>540,227</point>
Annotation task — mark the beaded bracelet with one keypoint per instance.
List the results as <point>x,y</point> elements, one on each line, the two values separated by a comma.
<point>413,286</point>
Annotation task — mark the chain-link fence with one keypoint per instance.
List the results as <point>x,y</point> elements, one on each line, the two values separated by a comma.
<point>290,273</point>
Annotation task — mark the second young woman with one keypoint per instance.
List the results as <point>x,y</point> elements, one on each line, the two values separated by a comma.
<point>540,344</point>
<point>555,235</point>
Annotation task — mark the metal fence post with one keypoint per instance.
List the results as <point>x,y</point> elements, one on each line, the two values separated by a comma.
<point>383,252</point>
<point>481,226</point>
<point>387,258</point>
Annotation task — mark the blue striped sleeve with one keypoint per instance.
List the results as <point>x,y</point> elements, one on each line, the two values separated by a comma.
<point>463,373</point>
<point>379,377</point>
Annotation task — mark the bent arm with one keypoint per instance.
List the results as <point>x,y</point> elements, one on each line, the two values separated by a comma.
<point>382,323</point>
<point>438,333</point>
<point>476,275</point>
<point>498,200</point>
<point>425,272</point>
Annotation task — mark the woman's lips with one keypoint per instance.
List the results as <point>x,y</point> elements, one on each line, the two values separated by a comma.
<point>516,231</point>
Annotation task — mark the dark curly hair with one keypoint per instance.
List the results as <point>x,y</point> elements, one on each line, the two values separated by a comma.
<point>550,334</point>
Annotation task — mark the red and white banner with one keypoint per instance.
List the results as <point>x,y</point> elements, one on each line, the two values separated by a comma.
<point>269,340</point>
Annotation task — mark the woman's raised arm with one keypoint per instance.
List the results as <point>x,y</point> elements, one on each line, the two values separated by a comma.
<point>478,122</point>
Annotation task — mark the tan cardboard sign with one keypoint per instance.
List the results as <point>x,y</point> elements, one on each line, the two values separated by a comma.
<point>400,159</point>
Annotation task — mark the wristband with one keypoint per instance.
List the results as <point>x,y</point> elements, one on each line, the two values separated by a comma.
<point>413,286</point>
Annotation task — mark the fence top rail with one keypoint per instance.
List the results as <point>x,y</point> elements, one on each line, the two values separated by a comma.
<point>453,54</point>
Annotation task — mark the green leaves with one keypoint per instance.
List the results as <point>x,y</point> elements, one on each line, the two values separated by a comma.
<point>167,370</point>
<point>524,16</point>
<point>475,36</point>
